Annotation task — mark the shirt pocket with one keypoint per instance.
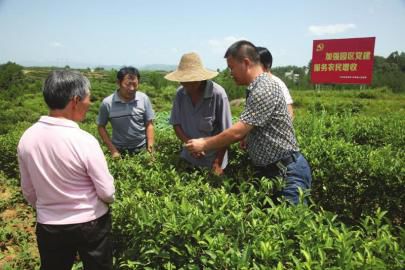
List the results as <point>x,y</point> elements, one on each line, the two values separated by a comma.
<point>206,124</point>
<point>138,115</point>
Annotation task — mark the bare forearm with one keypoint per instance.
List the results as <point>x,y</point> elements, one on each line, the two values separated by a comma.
<point>180,133</point>
<point>219,141</point>
<point>150,134</point>
<point>219,156</point>
<point>106,139</point>
<point>233,134</point>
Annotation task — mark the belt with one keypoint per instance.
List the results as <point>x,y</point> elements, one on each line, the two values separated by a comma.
<point>281,164</point>
<point>133,150</point>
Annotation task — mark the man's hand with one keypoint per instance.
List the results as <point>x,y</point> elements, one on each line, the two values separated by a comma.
<point>198,155</point>
<point>242,144</point>
<point>115,154</point>
<point>216,169</point>
<point>195,145</point>
<point>149,148</point>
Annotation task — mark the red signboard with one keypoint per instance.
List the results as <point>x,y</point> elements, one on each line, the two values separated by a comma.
<point>343,61</point>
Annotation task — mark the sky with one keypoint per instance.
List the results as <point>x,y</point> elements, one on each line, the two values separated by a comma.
<point>95,33</point>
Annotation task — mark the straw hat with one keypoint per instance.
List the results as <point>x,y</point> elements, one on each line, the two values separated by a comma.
<point>190,69</point>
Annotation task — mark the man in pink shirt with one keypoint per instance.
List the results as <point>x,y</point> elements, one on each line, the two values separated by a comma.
<point>64,176</point>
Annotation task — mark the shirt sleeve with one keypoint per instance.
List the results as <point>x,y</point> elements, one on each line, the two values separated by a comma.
<point>26,182</point>
<point>149,113</point>
<point>224,114</point>
<point>286,93</point>
<point>98,172</point>
<point>103,112</point>
<point>175,113</point>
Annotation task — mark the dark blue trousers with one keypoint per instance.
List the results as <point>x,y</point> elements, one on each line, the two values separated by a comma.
<point>296,174</point>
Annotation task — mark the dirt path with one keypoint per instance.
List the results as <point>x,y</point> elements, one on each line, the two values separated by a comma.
<point>18,249</point>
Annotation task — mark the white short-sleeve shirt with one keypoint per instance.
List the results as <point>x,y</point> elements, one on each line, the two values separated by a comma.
<point>284,88</point>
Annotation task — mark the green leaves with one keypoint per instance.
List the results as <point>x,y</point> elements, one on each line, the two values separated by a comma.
<point>189,224</point>
<point>167,216</point>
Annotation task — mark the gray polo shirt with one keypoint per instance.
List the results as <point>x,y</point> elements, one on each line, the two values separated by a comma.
<point>128,119</point>
<point>210,116</point>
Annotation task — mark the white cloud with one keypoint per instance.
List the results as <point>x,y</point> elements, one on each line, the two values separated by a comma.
<point>221,45</point>
<point>320,30</point>
<point>56,44</point>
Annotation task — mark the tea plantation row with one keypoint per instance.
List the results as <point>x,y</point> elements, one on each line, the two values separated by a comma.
<point>166,217</point>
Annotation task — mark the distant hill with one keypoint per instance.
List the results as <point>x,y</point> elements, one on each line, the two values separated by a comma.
<point>159,67</point>
<point>153,67</point>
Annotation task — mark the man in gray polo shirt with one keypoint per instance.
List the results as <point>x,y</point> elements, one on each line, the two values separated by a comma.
<point>131,116</point>
<point>200,109</point>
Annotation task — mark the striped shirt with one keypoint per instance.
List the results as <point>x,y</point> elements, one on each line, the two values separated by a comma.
<point>128,119</point>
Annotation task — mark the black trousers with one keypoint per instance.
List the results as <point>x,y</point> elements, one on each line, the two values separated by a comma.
<point>59,244</point>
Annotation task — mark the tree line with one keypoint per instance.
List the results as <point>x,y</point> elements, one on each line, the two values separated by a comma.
<point>387,72</point>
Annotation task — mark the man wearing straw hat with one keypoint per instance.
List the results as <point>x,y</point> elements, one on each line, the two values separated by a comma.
<point>266,124</point>
<point>200,109</point>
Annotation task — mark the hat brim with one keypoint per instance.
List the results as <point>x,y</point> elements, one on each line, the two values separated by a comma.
<point>187,76</point>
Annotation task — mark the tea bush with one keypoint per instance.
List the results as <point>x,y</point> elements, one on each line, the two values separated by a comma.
<point>357,162</point>
<point>168,217</point>
<point>171,219</point>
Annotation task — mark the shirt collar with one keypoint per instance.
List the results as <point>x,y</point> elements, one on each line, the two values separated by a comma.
<point>117,98</point>
<point>208,90</point>
<point>253,84</point>
<point>58,121</point>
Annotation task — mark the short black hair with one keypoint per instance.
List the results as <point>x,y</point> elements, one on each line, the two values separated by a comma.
<point>265,57</point>
<point>128,70</point>
<point>243,49</point>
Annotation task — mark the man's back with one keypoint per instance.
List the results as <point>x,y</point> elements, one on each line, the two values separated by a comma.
<point>60,163</point>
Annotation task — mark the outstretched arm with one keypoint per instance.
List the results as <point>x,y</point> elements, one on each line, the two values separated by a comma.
<point>233,134</point>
